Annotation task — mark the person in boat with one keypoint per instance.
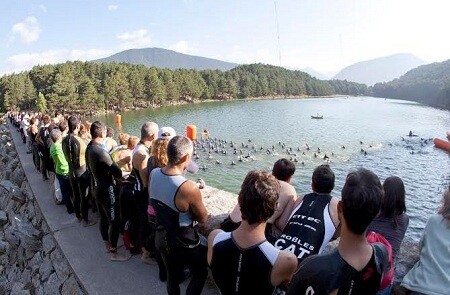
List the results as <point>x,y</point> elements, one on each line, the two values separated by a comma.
<point>411,133</point>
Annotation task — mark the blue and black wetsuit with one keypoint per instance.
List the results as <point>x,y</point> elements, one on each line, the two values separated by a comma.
<point>176,239</point>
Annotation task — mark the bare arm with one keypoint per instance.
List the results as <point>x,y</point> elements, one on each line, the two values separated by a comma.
<point>189,197</point>
<point>285,203</point>
<point>284,268</point>
<point>281,222</point>
<point>211,237</point>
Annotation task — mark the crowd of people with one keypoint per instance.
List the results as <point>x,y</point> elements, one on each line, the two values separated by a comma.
<point>272,242</point>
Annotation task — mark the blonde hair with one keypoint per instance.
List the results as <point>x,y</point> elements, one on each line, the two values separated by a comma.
<point>159,152</point>
<point>445,208</point>
<point>132,142</point>
<point>123,138</point>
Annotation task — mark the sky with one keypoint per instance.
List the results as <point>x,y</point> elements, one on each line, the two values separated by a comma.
<point>326,35</point>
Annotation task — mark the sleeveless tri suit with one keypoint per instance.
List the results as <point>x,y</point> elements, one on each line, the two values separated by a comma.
<point>309,228</point>
<point>242,271</point>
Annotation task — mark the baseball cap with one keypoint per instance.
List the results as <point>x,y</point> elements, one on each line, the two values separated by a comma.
<point>166,133</point>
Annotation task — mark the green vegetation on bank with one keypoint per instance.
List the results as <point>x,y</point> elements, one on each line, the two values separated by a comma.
<point>87,86</point>
<point>428,84</point>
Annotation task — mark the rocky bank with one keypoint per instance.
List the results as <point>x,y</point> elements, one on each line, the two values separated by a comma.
<point>30,259</point>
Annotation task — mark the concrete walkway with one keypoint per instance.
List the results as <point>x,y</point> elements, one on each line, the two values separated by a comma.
<point>84,249</point>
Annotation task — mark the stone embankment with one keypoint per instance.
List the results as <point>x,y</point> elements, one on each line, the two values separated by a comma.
<point>30,259</point>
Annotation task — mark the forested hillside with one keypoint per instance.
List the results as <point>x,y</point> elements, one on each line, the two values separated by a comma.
<point>428,84</point>
<point>88,86</point>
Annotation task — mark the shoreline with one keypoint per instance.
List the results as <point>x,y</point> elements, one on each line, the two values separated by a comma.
<point>182,103</point>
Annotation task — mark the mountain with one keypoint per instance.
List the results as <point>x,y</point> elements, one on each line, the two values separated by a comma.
<point>164,58</point>
<point>380,69</point>
<point>427,84</point>
<point>316,74</point>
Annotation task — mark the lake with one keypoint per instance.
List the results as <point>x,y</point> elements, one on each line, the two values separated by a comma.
<point>372,130</point>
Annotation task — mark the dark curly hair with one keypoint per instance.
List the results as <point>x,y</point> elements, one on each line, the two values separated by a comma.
<point>258,196</point>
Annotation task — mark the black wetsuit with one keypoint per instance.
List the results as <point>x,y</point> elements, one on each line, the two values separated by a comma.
<point>141,202</point>
<point>34,148</point>
<point>44,151</point>
<point>103,170</point>
<point>242,271</point>
<point>322,274</point>
<point>73,148</point>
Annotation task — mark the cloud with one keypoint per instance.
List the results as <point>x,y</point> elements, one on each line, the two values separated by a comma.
<point>112,7</point>
<point>28,31</point>
<point>182,46</point>
<point>241,55</point>
<point>134,39</point>
<point>43,8</point>
<point>26,61</point>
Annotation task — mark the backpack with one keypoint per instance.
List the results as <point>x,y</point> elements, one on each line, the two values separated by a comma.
<point>388,277</point>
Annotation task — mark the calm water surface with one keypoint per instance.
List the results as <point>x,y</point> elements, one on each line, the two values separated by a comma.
<point>377,126</point>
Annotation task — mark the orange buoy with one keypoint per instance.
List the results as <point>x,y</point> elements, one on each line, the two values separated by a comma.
<point>191,132</point>
<point>442,144</point>
<point>118,119</point>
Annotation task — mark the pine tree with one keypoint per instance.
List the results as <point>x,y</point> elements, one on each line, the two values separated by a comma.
<point>41,104</point>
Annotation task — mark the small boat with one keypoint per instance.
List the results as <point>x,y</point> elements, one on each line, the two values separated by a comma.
<point>317,117</point>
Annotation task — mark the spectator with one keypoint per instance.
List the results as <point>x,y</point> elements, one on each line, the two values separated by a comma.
<point>392,221</point>
<point>178,203</point>
<point>61,169</point>
<point>243,262</point>
<point>283,170</point>
<point>75,152</point>
<point>109,141</point>
<point>103,171</point>
<point>431,274</point>
<point>314,219</point>
<point>355,266</point>
<point>141,153</point>
<point>42,140</point>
